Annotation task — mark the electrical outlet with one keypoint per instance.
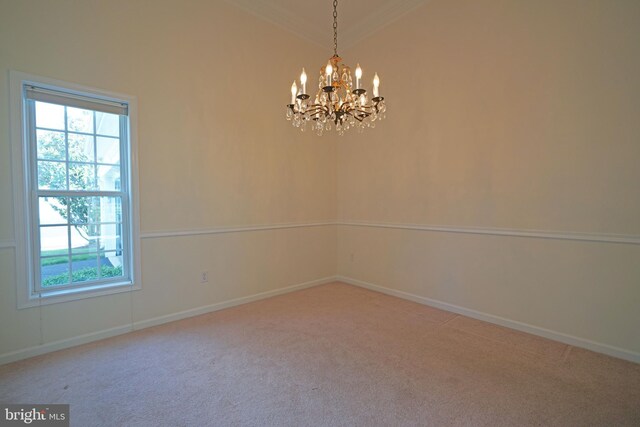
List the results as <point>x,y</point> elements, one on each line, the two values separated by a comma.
<point>204,277</point>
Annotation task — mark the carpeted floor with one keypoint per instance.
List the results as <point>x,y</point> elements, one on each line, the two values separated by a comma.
<point>333,355</point>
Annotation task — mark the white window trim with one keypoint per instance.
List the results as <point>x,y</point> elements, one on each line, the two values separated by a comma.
<point>22,225</point>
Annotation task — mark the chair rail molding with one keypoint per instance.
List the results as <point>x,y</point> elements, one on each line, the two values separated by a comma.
<point>628,239</point>
<point>7,244</point>
<point>232,229</point>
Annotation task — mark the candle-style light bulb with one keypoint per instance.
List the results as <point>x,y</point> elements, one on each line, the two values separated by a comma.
<point>303,80</point>
<point>329,72</point>
<point>358,76</point>
<point>376,84</point>
<point>294,91</point>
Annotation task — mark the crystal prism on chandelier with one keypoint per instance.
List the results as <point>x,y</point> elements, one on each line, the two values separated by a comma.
<point>338,101</point>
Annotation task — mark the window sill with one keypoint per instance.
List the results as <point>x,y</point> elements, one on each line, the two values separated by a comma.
<point>66,295</point>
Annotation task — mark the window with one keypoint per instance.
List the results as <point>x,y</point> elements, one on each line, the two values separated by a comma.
<point>77,197</point>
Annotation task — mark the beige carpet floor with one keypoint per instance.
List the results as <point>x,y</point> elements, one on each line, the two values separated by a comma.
<point>333,355</point>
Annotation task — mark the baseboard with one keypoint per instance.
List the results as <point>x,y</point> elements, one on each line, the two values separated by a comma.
<point>119,330</point>
<point>513,324</point>
<point>107,333</point>
<point>227,304</point>
<point>62,344</point>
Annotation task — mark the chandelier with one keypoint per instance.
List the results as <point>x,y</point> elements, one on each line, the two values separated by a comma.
<point>338,102</point>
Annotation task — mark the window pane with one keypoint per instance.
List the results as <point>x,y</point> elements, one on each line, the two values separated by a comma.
<point>81,148</point>
<point>84,210</point>
<point>84,238</point>
<point>111,265</point>
<point>51,145</point>
<point>91,218</point>
<point>81,177</point>
<point>85,269</point>
<point>110,209</point>
<point>108,150</point>
<point>109,178</point>
<point>52,175</point>
<point>84,246</point>
<point>79,120</point>
<point>52,210</point>
<point>54,271</point>
<point>107,124</point>
<point>49,116</point>
<point>54,240</point>
<point>78,258</point>
<point>85,213</point>
<point>111,237</point>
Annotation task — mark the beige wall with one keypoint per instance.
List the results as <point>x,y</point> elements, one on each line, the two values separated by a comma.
<point>214,151</point>
<point>504,114</point>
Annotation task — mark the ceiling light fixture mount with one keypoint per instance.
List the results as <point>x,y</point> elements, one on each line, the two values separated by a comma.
<point>337,100</point>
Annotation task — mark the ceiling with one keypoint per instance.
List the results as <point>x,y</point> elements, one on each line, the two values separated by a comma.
<point>313,19</point>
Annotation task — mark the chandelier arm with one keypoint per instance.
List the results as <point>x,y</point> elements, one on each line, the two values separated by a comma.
<point>355,117</point>
<point>314,110</point>
<point>365,112</point>
<point>358,117</point>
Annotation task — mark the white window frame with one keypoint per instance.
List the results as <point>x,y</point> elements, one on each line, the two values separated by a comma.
<point>25,212</point>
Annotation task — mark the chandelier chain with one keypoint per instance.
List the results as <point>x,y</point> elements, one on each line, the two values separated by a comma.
<point>335,27</point>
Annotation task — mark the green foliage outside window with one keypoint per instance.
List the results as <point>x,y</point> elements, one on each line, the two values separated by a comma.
<point>84,274</point>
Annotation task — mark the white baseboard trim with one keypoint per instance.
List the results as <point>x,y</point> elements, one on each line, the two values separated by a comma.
<point>227,304</point>
<point>490,318</point>
<point>108,333</point>
<point>38,350</point>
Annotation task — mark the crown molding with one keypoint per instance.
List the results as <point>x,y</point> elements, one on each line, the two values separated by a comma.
<point>350,33</point>
<point>281,17</point>
<point>377,20</point>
